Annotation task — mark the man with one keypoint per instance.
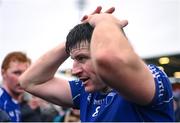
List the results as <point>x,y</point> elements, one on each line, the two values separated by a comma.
<point>13,65</point>
<point>113,84</point>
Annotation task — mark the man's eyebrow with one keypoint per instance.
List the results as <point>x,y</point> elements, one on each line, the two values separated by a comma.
<point>74,57</point>
<point>71,57</point>
<point>17,71</point>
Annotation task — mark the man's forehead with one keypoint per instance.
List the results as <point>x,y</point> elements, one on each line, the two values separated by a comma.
<point>81,46</point>
<point>17,63</point>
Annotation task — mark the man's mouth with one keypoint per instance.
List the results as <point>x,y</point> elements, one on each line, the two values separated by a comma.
<point>84,80</point>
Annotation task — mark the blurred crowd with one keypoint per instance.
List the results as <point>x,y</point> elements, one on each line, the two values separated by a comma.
<point>16,105</point>
<point>35,109</point>
<point>176,93</point>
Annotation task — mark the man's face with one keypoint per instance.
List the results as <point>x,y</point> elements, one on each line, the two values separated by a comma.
<point>10,76</point>
<point>83,68</point>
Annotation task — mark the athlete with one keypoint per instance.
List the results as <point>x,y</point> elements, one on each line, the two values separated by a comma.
<point>113,83</point>
<point>13,65</point>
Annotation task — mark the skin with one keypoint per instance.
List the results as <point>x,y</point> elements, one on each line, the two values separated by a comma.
<point>116,62</point>
<point>53,89</point>
<point>83,68</point>
<point>10,78</point>
<point>109,61</point>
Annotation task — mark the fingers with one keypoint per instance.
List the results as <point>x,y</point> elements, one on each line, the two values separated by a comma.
<point>97,11</point>
<point>84,18</point>
<point>123,23</point>
<point>110,10</point>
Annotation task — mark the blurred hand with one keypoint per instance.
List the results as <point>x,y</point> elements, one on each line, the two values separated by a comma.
<point>98,11</point>
<point>86,18</point>
<point>102,17</point>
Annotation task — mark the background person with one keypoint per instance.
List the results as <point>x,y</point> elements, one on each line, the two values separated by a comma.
<point>13,65</point>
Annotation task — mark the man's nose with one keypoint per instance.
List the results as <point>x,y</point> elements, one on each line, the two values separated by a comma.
<point>77,69</point>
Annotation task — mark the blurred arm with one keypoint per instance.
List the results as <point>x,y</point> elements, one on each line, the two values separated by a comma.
<point>39,78</point>
<point>116,63</point>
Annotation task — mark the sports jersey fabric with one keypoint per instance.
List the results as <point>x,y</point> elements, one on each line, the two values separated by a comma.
<point>112,107</point>
<point>10,106</point>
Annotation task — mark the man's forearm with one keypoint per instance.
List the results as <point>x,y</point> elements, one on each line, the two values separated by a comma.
<point>45,67</point>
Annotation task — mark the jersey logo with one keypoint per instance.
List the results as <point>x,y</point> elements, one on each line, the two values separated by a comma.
<point>110,98</point>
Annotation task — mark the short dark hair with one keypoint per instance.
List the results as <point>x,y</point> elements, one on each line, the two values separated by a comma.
<point>81,32</point>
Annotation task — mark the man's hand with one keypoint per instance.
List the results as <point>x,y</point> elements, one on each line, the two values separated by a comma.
<point>98,11</point>
<point>96,19</point>
<point>86,18</point>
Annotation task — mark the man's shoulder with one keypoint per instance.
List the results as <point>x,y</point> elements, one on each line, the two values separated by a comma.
<point>76,83</point>
<point>4,96</point>
<point>2,92</point>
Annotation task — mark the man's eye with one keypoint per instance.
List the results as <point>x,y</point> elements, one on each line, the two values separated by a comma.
<point>80,58</point>
<point>17,72</point>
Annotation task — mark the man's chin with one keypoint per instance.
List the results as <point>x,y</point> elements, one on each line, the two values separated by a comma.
<point>89,90</point>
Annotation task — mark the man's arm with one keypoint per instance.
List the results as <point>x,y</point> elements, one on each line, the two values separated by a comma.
<point>39,78</point>
<point>116,62</point>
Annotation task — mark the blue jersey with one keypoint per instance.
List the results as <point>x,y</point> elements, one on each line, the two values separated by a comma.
<point>9,105</point>
<point>111,107</point>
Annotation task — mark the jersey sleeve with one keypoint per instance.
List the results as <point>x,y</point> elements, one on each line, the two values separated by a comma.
<point>76,86</point>
<point>163,93</point>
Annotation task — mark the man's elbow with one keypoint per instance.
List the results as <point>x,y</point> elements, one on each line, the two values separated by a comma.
<point>23,83</point>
